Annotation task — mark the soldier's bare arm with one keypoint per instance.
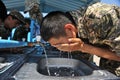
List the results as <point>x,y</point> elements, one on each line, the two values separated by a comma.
<point>100,52</point>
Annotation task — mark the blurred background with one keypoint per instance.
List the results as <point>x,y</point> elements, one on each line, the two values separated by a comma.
<point>52,5</point>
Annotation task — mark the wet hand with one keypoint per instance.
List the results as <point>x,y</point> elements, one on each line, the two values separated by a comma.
<point>74,44</point>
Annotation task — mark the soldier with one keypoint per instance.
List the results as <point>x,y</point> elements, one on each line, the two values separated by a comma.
<point>3,15</point>
<point>21,32</point>
<point>94,30</point>
<point>13,20</point>
<point>3,12</point>
<point>33,7</point>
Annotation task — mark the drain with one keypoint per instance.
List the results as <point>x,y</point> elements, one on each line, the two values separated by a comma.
<point>61,71</point>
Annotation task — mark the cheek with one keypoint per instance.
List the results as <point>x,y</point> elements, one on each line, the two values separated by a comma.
<point>55,41</point>
<point>13,23</point>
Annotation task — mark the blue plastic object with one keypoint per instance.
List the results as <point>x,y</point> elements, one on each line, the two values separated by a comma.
<point>31,29</point>
<point>13,32</point>
<point>34,31</point>
<point>11,43</point>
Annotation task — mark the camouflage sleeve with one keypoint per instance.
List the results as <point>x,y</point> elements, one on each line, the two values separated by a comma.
<point>4,33</point>
<point>101,22</point>
<point>77,14</point>
<point>20,33</point>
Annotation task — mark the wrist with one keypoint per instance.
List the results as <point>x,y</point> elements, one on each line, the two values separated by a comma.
<point>86,48</point>
<point>82,47</point>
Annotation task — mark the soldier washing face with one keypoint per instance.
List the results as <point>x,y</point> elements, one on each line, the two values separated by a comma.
<point>94,30</point>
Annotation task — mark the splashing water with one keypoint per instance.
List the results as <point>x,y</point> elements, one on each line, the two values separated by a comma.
<point>46,57</point>
<point>59,71</point>
<point>70,57</point>
<point>47,62</point>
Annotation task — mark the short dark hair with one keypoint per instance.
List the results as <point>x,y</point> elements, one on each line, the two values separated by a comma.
<point>53,24</point>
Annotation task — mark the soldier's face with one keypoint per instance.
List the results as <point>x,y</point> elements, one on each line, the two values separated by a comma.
<point>10,22</point>
<point>70,33</point>
<point>57,41</point>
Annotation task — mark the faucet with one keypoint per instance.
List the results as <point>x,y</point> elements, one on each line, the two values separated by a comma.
<point>36,43</point>
<point>41,44</point>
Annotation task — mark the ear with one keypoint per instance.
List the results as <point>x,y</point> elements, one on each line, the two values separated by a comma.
<point>70,30</point>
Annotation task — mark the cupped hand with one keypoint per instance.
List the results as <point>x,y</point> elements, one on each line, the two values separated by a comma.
<point>74,44</point>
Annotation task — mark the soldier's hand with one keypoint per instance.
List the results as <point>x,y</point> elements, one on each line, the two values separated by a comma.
<point>74,44</point>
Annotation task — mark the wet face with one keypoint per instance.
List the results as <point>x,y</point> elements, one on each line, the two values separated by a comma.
<point>70,33</point>
<point>57,41</point>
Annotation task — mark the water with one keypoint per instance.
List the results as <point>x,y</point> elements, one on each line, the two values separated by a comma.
<point>60,71</point>
<point>70,57</point>
<point>48,70</point>
<point>47,67</point>
<point>63,71</point>
<point>60,54</point>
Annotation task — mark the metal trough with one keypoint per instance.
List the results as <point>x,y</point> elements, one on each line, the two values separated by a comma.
<point>71,69</point>
<point>63,67</point>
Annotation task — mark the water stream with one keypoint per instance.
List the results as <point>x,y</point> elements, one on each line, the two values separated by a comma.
<point>46,57</point>
<point>72,72</point>
<point>60,71</point>
<point>47,62</point>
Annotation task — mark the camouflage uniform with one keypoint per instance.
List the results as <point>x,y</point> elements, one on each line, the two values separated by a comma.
<point>3,15</point>
<point>33,7</point>
<point>6,32</point>
<point>20,33</point>
<point>18,16</point>
<point>99,25</point>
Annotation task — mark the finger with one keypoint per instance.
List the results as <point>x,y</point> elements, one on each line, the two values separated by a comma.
<point>74,40</point>
<point>60,45</point>
<point>63,49</point>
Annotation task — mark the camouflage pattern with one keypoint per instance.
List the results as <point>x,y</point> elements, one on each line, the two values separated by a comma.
<point>100,26</point>
<point>4,33</point>
<point>20,33</point>
<point>18,16</point>
<point>33,7</point>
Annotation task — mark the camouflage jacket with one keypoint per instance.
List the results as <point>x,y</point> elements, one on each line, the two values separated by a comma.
<point>100,24</point>
<point>20,33</point>
<point>4,33</point>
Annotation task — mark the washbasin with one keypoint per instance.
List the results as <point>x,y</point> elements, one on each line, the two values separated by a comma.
<point>63,67</point>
